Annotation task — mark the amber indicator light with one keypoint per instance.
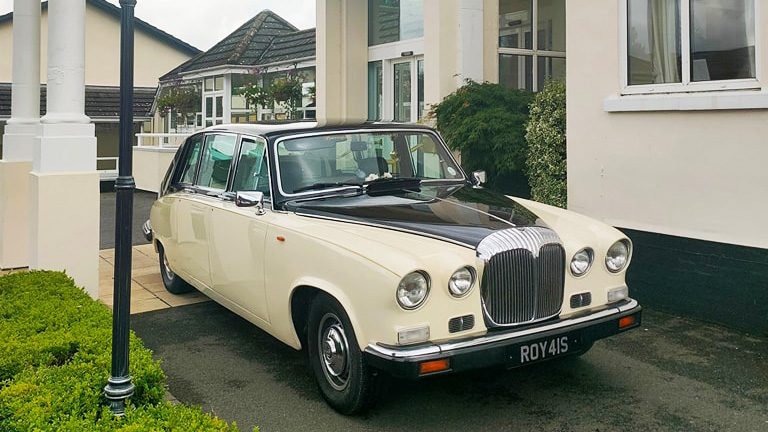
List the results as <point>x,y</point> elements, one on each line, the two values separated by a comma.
<point>280,238</point>
<point>434,366</point>
<point>626,321</point>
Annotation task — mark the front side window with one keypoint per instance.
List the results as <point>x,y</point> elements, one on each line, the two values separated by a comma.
<point>531,43</point>
<point>216,159</point>
<point>327,161</point>
<point>251,173</point>
<point>673,45</point>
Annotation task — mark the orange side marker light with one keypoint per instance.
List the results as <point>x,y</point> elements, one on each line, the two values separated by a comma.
<point>280,238</point>
<point>434,366</point>
<point>626,321</point>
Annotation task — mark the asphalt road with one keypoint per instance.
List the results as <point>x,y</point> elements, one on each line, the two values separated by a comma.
<point>672,374</point>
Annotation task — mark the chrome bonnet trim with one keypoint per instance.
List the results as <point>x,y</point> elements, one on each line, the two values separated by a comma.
<point>529,238</point>
<point>447,347</point>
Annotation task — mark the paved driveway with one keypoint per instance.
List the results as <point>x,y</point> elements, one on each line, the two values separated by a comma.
<point>672,374</point>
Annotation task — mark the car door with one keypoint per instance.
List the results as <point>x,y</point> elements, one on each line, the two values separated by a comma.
<point>195,202</point>
<point>237,235</point>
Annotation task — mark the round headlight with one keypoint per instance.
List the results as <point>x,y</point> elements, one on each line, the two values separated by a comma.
<point>461,282</point>
<point>413,290</point>
<point>618,256</point>
<point>582,262</point>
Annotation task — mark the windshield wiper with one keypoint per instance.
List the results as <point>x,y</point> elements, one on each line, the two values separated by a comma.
<point>384,186</point>
<point>316,186</point>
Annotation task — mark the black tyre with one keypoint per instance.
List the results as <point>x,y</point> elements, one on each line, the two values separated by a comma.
<point>346,382</point>
<point>173,283</point>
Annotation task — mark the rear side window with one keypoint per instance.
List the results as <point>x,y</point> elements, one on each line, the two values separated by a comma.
<point>216,159</point>
<point>188,163</point>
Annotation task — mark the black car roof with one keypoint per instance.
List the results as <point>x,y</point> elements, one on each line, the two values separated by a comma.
<point>273,129</point>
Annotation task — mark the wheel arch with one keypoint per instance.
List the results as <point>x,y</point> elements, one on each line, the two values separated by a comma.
<point>301,301</point>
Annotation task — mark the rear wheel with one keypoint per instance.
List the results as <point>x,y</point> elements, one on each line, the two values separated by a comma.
<point>347,383</point>
<point>172,282</point>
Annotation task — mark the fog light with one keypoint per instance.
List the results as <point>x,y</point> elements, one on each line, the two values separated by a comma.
<point>617,294</point>
<point>413,335</point>
<point>434,366</point>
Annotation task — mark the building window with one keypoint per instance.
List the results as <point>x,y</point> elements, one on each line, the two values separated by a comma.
<point>394,20</point>
<point>688,45</point>
<point>531,43</point>
<point>375,90</point>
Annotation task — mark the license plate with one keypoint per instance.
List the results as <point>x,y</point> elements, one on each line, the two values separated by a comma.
<point>545,349</point>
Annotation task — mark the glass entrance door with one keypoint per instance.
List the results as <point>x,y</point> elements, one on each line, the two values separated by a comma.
<point>402,88</point>
<point>408,90</point>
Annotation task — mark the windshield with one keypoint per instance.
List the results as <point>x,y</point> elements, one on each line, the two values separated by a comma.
<point>327,161</point>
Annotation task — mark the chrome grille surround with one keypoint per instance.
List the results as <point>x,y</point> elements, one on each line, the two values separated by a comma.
<point>524,276</point>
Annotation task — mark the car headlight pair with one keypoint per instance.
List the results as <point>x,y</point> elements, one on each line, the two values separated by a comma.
<point>616,258</point>
<point>414,288</point>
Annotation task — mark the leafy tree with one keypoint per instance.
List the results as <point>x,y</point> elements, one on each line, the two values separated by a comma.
<point>486,123</point>
<point>545,132</point>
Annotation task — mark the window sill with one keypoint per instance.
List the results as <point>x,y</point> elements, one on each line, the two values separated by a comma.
<point>734,100</point>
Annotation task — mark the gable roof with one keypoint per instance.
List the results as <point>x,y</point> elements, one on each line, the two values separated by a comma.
<point>264,39</point>
<point>115,11</point>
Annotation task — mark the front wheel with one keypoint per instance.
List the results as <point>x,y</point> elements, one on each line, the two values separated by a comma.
<point>172,282</point>
<point>347,383</point>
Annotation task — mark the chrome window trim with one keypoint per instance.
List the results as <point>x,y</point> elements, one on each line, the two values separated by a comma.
<point>350,132</point>
<point>447,347</point>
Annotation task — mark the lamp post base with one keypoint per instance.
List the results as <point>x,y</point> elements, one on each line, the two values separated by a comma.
<point>117,391</point>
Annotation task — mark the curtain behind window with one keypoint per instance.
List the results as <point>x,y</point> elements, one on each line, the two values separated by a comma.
<point>664,24</point>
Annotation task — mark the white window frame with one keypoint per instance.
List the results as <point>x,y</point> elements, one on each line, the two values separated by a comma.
<point>533,52</point>
<point>685,46</point>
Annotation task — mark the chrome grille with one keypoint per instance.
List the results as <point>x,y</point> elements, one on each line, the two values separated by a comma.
<point>524,283</point>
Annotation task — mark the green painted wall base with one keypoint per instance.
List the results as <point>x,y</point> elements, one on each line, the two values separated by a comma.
<point>714,282</point>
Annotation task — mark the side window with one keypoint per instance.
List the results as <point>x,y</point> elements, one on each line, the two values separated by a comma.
<point>189,162</point>
<point>251,173</point>
<point>215,161</point>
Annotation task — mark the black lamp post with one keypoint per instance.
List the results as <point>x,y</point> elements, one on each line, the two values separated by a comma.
<point>119,386</point>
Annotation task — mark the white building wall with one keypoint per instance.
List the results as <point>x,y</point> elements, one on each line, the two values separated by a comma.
<point>153,57</point>
<point>699,174</point>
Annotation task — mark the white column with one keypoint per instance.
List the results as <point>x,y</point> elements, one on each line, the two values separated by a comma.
<point>342,61</point>
<point>19,136</point>
<point>64,184</point>
<point>442,75</point>
<point>471,40</point>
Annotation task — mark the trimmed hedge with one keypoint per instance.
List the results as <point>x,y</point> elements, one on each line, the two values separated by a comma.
<point>545,133</point>
<point>55,359</point>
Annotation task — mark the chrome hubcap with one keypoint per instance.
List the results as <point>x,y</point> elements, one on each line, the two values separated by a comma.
<point>168,271</point>
<point>334,351</point>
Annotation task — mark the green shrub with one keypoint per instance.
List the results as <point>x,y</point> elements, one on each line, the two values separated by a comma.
<point>55,359</point>
<point>545,132</point>
<point>486,123</point>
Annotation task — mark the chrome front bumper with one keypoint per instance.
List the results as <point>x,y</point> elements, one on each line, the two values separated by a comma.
<point>495,348</point>
<point>147,230</point>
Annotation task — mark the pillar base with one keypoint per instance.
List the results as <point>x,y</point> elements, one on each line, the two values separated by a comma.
<point>14,214</point>
<point>19,140</point>
<point>64,234</point>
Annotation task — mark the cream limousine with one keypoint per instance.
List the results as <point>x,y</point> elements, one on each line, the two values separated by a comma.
<point>370,247</point>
